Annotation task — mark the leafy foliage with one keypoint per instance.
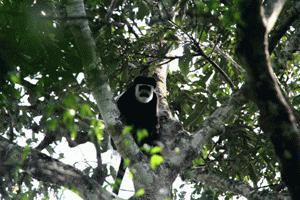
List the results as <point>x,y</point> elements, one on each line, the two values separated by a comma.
<point>43,91</point>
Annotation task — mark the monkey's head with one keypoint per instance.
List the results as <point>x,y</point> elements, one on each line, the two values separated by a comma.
<point>144,88</point>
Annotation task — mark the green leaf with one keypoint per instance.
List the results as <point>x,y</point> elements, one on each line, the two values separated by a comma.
<point>25,196</point>
<point>143,10</point>
<point>296,100</point>
<point>155,150</point>
<point>184,61</point>
<point>155,161</point>
<point>15,78</point>
<point>198,162</point>
<point>52,124</point>
<point>68,116</point>
<point>85,110</point>
<point>212,4</point>
<point>70,101</point>
<point>140,192</point>
<point>126,162</point>
<point>73,131</point>
<point>113,172</point>
<point>68,119</point>
<point>98,126</point>
<point>142,134</point>
<point>170,36</point>
<point>25,152</point>
<point>126,130</point>
<point>205,151</point>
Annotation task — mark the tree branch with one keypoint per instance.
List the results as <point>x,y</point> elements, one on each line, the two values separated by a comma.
<point>97,82</point>
<point>47,169</point>
<point>287,18</point>
<point>200,52</point>
<point>277,118</point>
<point>228,58</point>
<point>110,9</point>
<point>237,187</point>
<point>272,11</point>
<point>179,154</point>
<point>293,44</point>
<point>96,78</point>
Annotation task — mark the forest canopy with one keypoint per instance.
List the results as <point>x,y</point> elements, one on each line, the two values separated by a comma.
<point>228,87</point>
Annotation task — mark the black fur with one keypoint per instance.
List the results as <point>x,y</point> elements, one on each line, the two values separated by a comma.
<point>140,115</point>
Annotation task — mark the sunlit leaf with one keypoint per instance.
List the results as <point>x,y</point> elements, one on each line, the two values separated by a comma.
<point>155,150</point>
<point>155,161</point>
<point>126,130</point>
<point>184,61</point>
<point>70,100</point>
<point>52,124</point>
<point>73,131</point>
<point>140,192</point>
<point>141,135</point>
<point>25,152</point>
<point>15,78</point>
<point>126,162</point>
<point>98,126</point>
<point>85,110</point>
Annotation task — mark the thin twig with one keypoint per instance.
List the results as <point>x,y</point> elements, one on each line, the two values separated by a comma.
<point>110,10</point>
<point>201,53</point>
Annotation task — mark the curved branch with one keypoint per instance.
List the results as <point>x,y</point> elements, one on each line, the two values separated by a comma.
<point>187,147</point>
<point>237,187</point>
<point>200,52</point>
<point>272,11</point>
<point>97,82</point>
<point>50,170</point>
<point>277,118</point>
<point>287,18</point>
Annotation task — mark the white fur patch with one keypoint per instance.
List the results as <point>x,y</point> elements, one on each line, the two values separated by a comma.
<point>144,95</point>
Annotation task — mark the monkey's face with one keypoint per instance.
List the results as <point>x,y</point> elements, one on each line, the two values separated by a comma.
<point>144,93</point>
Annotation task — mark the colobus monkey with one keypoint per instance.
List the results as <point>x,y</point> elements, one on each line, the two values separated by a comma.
<point>138,108</point>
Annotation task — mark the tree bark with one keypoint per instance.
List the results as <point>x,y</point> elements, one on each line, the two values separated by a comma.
<point>237,187</point>
<point>277,118</point>
<point>50,170</point>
